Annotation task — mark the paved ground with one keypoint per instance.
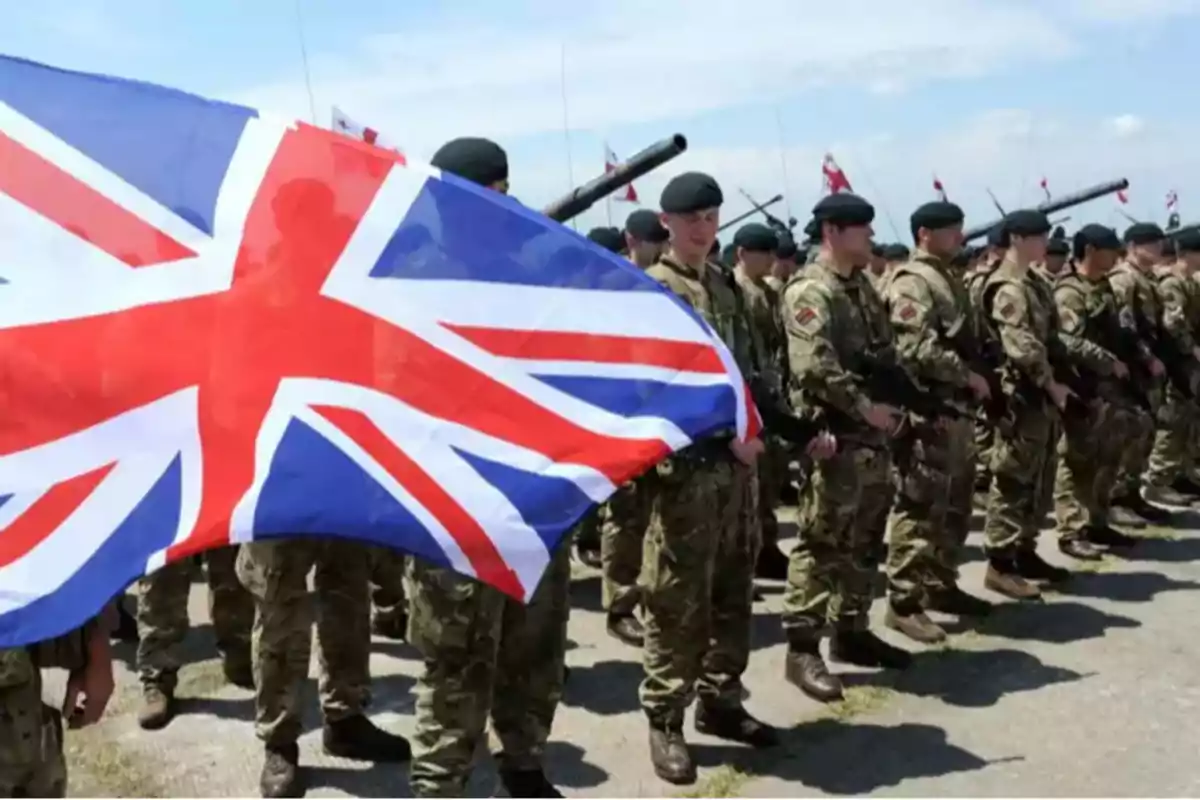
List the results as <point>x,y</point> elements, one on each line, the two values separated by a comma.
<point>1093,693</point>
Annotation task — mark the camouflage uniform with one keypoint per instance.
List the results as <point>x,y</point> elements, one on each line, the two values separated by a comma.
<point>1169,458</point>
<point>762,305</point>
<point>1090,451</point>
<point>828,319</point>
<point>162,617</point>
<point>623,523</point>
<point>1020,311</point>
<point>32,763</point>
<point>929,309</point>
<point>983,433</point>
<point>700,552</point>
<point>388,603</point>
<point>486,656</point>
<point>1136,295</point>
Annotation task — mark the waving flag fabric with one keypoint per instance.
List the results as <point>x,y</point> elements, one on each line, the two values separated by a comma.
<point>218,328</point>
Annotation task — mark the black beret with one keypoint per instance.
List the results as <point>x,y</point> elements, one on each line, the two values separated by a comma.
<point>996,237</point>
<point>813,229</point>
<point>1026,222</point>
<point>480,161</point>
<point>691,191</point>
<point>896,252</point>
<point>1143,233</point>
<point>1188,241</point>
<point>843,209</point>
<point>645,225</point>
<point>936,215</point>
<point>877,250</point>
<point>757,237</point>
<point>1096,236</point>
<point>608,238</point>
<point>1058,247</point>
<point>716,247</point>
<point>787,247</point>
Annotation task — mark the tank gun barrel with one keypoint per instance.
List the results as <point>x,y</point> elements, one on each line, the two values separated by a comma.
<point>1056,204</point>
<point>580,199</point>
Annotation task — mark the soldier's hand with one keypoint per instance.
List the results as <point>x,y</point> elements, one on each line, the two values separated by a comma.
<point>822,447</point>
<point>1156,368</point>
<point>979,387</point>
<point>1121,370</point>
<point>89,689</point>
<point>1060,394</point>
<point>747,452</point>
<point>882,417</point>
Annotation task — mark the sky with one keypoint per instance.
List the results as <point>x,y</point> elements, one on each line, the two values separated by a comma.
<point>985,94</point>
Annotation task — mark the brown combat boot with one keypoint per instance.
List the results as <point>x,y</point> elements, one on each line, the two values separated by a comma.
<point>281,775</point>
<point>626,629</point>
<point>806,670</point>
<point>1003,578</point>
<point>527,783</point>
<point>915,624</point>
<point>735,725</point>
<point>158,707</point>
<point>670,755</point>
<point>359,739</point>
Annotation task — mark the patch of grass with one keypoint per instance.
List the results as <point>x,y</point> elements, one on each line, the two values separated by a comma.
<point>99,766</point>
<point>860,700</point>
<point>724,781</point>
<point>1156,532</point>
<point>201,679</point>
<point>1103,565</point>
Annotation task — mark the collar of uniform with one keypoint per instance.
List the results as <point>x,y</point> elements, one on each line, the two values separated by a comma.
<point>826,263</point>
<point>1008,267</point>
<point>926,257</point>
<point>669,260</point>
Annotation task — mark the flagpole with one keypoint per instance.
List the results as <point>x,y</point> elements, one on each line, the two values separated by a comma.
<point>882,203</point>
<point>312,100</point>
<point>787,186</point>
<point>566,123</point>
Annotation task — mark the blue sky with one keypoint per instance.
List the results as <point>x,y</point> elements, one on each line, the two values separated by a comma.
<point>986,93</point>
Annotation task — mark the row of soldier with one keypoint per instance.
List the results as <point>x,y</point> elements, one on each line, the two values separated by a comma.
<point>1014,371</point>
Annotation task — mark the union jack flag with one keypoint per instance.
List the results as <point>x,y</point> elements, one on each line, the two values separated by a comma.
<point>217,328</point>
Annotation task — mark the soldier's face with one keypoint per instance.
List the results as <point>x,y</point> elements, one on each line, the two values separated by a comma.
<point>1032,248</point>
<point>945,242</point>
<point>1146,255</point>
<point>643,252</point>
<point>695,232</point>
<point>854,241</point>
<point>783,268</point>
<point>1104,260</point>
<point>1055,264</point>
<point>756,263</point>
<point>1191,260</point>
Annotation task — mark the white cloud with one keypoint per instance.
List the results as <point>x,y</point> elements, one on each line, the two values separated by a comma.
<point>1126,125</point>
<point>1132,10</point>
<point>632,62</point>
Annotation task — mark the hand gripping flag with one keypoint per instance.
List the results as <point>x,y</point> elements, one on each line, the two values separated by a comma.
<point>220,328</point>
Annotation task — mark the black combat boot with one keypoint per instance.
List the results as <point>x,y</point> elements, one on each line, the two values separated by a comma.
<point>527,783</point>
<point>1167,496</point>
<point>863,648</point>
<point>1003,578</point>
<point>392,626</point>
<point>1186,486</point>
<point>238,669</point>
<point>281,775</point>
<point>1105,536</point>
<point>626,628</point>
<point>735,725</point>
<point>911,620</point>
<point>806,670</point>
<point>670,755</point>
<point>158,706</point>
<point>772,564</point>
<point>1033,567</point>
<point>1078,547</point>
<point>360,739</point>
<point>953,600</point>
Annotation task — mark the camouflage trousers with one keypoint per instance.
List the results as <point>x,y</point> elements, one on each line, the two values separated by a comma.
<point>32,763</point>
<point>623,523</point>
<point>162,615</point>
<point>964,455</point>
<point>1135,455</point>
<point>275,571</point>
<point>1089,455</point>
<point>486,656</point>
<point>1049,473</point>
<point>773,473</point>
<point>1171,452</point>
<point>699,569</point>
<point>919,541</point>
<point>1019,459</point>
<point>984,436</point>
<point>843,517</point>
<point>387,584</point>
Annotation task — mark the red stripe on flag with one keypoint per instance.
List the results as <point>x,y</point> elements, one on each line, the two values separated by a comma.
<point>45,188</point>
<point>50,511</point>
<point>472,539</point>
<point>597,348</point>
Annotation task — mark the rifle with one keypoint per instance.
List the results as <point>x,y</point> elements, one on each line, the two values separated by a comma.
<point>1055,205</point>
<point>580,199</point>
<point>775,222</point>
<point>757,208</point>
<point>887,382</point>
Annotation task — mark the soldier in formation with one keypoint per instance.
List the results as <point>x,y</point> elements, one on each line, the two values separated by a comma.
<point>1054,375</point>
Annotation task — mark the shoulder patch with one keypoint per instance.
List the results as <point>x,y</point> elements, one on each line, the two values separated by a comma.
<point>907,311</point>
<point>804,316</point>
